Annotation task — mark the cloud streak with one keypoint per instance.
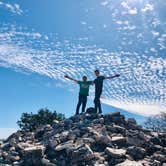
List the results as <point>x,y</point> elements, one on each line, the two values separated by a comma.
<point>139,56</point>
<point>14,8</point>
<point>142,77</point>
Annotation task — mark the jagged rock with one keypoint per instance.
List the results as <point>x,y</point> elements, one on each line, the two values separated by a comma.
<point>120,141</point>
<point>91,110</point>
<point>98,121</point>
<point>5,146</point>
<point>114,118</point>
<point>136,153</point>
<point>83,153</point>
<point>68,123</point>
<point>46,162</point>
<point>33,155</point>
<point>116,129</point>
<point>11,158</point>
<point>65,146</point>
<point>130,163</point>
<point>136,138</point>
<point>159,157</point>
<point>115,153</point>
<point>86,139</point>
<point>131,120</point>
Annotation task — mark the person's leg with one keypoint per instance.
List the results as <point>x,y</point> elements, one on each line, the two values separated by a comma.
<point>84,101</point>
<point>99,106</point>
<point>97,103</point>
<point>78,104</point>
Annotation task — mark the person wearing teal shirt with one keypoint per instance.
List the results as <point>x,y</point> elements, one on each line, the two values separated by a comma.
<point>83,92</point>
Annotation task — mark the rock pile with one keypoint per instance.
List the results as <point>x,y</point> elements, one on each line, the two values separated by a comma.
<point>86,140</point>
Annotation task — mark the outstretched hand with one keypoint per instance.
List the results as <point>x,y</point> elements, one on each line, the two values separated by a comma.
<point>117,75</point>
<point>66,76</point>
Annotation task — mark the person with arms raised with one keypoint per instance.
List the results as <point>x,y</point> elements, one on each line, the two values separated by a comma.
<point>83,92</point>
<point>98,89</point>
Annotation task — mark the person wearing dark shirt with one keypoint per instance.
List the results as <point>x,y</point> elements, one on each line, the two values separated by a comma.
<point>98,89</point>
<point>83,92</point>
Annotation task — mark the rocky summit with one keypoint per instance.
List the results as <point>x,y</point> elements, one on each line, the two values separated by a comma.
<point>86,140</point>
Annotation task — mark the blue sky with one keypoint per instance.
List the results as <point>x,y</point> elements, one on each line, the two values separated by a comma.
<point>40,41</point>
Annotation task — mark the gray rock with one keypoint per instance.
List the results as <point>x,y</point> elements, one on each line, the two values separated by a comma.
<point>33,155</point>
<point>130,163</point>
<point>115,153</point>
<point>131,120</point>
<point>65,146</point>
<point>137,153</point>
<point>117,129</point>
<point>120,141</point>
<point>82,154</point>
<point>136,138</point>
<point>46,162</point>
<point>114,117</point>
<point>159,157</point>
<point>6,146</point>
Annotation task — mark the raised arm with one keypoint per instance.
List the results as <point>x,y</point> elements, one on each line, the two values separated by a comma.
<point>117,75</point>
<point>66,76</point>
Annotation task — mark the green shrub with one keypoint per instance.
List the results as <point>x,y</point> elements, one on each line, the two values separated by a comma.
<point>30,121</point>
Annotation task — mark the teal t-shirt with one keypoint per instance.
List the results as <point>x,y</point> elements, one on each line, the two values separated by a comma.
<point>84,87</point>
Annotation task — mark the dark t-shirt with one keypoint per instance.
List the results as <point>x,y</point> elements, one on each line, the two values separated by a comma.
<point>99,84</point>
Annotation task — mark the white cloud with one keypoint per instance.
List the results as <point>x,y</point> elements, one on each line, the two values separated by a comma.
<point>14,8</point>
<point>139,82</point>
<point>83,22</point>
<point>104,3</point>
<point>125,5</point>
<point>133,11</point>
<point>147,7</point>
<point>155,34</point>
<point>130,27</point>
<point>122,22</point>
<point>142,109</point>
<point>6,132</point>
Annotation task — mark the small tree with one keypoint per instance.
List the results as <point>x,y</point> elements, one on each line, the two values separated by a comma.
<point>31,122</point>
<point>156,123</point>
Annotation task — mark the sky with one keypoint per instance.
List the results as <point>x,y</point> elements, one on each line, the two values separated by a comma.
<point>41,41</point>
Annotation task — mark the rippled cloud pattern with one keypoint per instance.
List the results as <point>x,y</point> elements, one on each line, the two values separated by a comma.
<point>139,55</point>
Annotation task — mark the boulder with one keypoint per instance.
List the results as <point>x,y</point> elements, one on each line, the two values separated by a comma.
<point>159,157</point>
<point>114,117</point>
<point>136,138</point>
<point>116,129</point>
<point>82,154</point>
<point>119,141</point>
<point>33,155</point>
<point>115,153</point>
<point>91,110</point>
<point>130,163</point>
<point>137,153</point>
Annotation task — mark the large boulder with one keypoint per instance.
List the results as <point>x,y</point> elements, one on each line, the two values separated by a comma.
<point>136,138</point>
<point>33,155</point>
<point>115,153</point>
<point>137,153</point>
<point>130,163</point>
<point>119,141</point>
<point>114,117</point>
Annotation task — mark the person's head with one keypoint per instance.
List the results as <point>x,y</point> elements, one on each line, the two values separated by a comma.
<point>97,73</point>
<point>84,78</point>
